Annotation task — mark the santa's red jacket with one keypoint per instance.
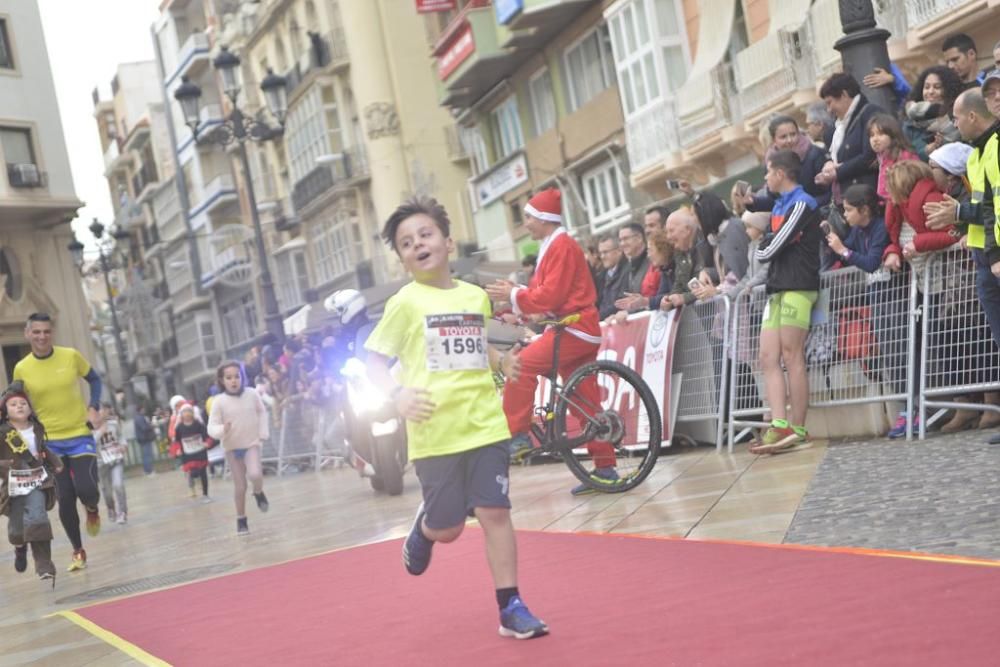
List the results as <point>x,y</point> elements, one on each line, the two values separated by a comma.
<point>562,285</point>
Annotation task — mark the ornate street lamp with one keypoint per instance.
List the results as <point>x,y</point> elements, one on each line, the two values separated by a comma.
<point>239,128</point>
<point>108,263</point>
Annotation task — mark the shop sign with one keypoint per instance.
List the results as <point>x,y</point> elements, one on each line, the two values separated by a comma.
<point>501,180</point>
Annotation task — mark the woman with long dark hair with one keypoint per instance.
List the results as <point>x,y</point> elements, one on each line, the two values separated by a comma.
<point>927,122</point>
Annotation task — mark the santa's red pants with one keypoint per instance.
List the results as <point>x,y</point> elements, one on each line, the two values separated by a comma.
<point>536,359</point>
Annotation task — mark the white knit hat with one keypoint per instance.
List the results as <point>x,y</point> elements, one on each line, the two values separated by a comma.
<point>952,157</point>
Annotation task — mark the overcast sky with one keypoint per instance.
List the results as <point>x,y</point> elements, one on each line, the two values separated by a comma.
<point>86,40</point>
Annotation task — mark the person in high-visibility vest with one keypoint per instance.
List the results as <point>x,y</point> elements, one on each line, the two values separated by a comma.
<point>978,124</point>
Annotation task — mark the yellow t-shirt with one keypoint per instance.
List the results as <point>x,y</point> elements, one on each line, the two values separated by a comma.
<point>439,337</point>
<point>53,385</point>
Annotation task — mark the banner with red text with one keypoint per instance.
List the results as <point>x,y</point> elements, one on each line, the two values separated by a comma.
<point>430,6</point>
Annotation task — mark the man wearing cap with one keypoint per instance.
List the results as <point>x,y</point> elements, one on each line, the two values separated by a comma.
<point>561,286</point>
<point>979,127</point>
<point>51,376</point>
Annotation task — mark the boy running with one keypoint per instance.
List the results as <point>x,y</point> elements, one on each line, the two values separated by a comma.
<point>458,435</point>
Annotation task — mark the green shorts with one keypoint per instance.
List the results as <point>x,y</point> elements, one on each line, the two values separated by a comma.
<point>789,309</point>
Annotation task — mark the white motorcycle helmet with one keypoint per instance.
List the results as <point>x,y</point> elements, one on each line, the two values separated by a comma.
<point>346,304</point>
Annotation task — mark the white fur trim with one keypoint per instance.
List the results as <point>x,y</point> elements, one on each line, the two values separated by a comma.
<point>542,215</point>
<point>596,340</point>
<point>513,300</point>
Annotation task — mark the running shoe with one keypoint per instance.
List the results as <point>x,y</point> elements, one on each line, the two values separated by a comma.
<point>93,522</point>
<point>262,503</point>
<point>520,447</point>
<point>21,558</point>
<point>775,438</point>
<point>900,428</point>
<point>122,518</point>
<point>79,561</point>
<point>241,526</point>
<point>607,475</point>
<point>517,621</point>
<point>206,500</point>
<point>44,576</point>
<point>417,547</point>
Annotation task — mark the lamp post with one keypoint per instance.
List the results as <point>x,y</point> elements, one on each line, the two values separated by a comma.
<point>106,265</point>
<point>863,48</point>
<point>239,128</point>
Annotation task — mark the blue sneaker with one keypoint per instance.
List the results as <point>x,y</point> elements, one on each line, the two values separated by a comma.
<point>608,474</point>
<point>899,429</point>
<point>520,447</point>
<point>517,621</point>
<point>417,548</point>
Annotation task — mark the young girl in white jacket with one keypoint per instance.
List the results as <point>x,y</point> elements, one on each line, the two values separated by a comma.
<point>238,420</point>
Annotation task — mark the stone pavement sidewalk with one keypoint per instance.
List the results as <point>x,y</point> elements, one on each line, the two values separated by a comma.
<point>941,495</point>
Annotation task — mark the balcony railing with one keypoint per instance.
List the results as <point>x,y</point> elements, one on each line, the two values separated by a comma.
<point>919,12</point>
<point>706,104</point>
<point>651,135</point>
<point>353,164</point>
<point>323,50</point>
<point>129,214</point>
<point>773,68</point>
<point>194,50</point>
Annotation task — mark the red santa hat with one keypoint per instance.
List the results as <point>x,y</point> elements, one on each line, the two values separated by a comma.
<point>546,205</point>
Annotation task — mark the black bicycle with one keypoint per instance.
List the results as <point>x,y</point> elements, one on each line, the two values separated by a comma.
<point>627,417</point>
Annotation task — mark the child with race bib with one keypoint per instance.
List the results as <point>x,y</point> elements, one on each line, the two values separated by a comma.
<point>191,436</point>
<point>27,482</point>
<point>458,436</point>
<point>111,448</point>
<point>239,420</point>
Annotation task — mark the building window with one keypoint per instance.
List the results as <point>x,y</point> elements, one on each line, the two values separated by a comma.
<point>543,103</point>
<point>475,147</point>
<point>506,126</point>
<point>239,321</point>
<point>206,331</point>
<point>648,41</point>
<point>604,193</point>
<point>293,279</point>
<point>16,145</point>
<point>590,67</point>
<point>6,52</point>
<point>308,135</point>
<point>337,246</point>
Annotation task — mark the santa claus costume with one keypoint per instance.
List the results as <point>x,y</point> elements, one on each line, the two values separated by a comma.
<point>561,286</point>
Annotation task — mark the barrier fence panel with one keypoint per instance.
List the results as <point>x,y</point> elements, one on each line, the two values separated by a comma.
<point>747,402</point>
<point>299,420</point>
<point>860,342</point>
<point>700,359</point>
<point>958,355</point>
<point>269,448</point>
<point>860,347</point>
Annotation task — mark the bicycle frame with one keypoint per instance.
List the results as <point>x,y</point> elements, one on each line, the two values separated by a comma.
<point>546,436</point>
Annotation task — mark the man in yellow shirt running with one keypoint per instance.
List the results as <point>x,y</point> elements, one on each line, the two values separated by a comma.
<point>51,376</point>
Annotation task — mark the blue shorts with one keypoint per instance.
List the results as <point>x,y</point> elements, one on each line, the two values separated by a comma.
<point>82,445</point>
<point>454,485</point>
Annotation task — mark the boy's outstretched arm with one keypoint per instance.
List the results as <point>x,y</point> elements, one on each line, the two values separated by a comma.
<point>412,403</point>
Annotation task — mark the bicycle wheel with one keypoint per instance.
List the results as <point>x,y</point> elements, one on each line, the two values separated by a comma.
<point>622,415</point>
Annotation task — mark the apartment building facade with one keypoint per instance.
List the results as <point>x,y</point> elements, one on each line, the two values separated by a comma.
<point>532,86</point>
<point>37,198</point>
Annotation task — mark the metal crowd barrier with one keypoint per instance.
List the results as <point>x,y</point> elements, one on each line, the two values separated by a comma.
<point>702,341</point>
<point>860,348</point>
<point>959,355</point>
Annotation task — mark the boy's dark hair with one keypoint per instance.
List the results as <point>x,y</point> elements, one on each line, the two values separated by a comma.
<point>662,211</point>
<point>838,84</point>
<point>416,205</point>
<point>778,121</point>
<point>961,41</point>
<point>788,162</point>
<point>39,317</point>
<point>637,228</point>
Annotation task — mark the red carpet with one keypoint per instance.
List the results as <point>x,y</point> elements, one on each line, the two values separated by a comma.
<point>608,600</point>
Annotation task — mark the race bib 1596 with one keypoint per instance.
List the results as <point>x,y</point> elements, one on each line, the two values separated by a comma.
<point>23,482</point>
<point>456,342</point>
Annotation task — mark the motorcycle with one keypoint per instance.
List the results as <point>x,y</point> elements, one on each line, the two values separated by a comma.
<point>376,433</point>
